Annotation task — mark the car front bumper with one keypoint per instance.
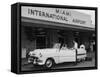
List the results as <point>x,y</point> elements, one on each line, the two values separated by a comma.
<point>35,60</point>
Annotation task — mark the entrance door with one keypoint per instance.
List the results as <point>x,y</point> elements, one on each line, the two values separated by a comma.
<point>41,42</point>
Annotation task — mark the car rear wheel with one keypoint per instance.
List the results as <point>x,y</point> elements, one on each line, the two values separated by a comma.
<point>49,63</point>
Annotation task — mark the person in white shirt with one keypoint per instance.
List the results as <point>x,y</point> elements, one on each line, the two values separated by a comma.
<point>75,45</point>
<point>82,46</point>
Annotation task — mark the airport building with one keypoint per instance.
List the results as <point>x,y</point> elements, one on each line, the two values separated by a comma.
<point>42,27</point>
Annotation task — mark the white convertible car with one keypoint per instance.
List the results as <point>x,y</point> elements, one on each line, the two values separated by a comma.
<point>50,56</point>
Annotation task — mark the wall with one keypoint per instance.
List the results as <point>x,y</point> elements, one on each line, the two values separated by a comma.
<point>52,37</point>
<point>26,44</point>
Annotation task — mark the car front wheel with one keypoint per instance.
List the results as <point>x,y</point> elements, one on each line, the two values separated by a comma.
<point>49,63</point>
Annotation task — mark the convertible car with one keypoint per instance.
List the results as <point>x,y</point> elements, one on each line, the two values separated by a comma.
<point>50,56</point>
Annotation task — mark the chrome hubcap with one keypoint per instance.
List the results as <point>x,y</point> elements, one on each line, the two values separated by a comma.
<point>49,63</point>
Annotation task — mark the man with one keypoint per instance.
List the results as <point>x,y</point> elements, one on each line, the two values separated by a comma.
<point>82,46</point>
<point>75,45</point>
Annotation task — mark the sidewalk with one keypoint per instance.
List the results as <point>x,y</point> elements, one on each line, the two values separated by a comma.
<point>24,61</point>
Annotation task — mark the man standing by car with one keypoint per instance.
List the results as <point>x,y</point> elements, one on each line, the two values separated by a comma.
<point>75,45</point>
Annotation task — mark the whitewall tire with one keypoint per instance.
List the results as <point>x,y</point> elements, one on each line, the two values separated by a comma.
<point>49,63</point>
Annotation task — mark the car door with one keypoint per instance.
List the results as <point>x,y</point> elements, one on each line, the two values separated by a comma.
<point>67,55</point>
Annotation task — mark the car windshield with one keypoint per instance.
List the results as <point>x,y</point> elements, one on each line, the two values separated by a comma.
<point>59,46</point>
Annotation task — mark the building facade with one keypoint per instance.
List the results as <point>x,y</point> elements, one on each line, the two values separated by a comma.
<point>43,27</point>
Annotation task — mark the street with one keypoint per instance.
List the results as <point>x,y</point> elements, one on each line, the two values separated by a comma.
<point>87,63</point>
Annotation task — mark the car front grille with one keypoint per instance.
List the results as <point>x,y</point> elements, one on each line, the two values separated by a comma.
<point>32,58</point>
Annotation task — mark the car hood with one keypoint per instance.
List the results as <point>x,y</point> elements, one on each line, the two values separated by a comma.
<point>43,51</point>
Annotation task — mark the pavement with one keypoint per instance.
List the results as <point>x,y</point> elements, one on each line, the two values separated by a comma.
<point>88,63</point>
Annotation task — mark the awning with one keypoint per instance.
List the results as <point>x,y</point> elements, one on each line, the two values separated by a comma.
<point>56,25</point>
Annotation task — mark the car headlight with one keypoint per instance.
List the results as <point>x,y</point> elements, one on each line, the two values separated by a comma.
<point>40,55</point>
<point>32,54</point>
